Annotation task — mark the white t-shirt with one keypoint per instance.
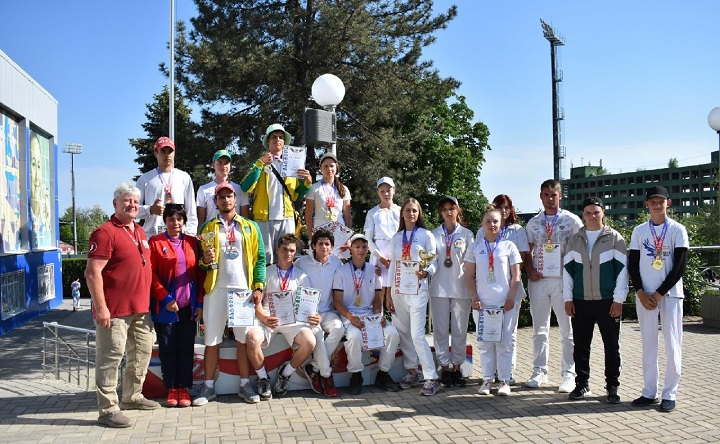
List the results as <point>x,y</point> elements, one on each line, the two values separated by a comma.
<point>643,241</point>
<point>231,272</point>
<point>449,282</point>
<point>276,194</point>
<point>422,239</point>
<point>272,285</point>
<point>381,224</point>
<point>182,192</point>
<point>565,226</point>
<point>592,237</point>
<point>505,254</point>
<point>344,281</point>
<point>318,193</point>
<point>321,277</point>
<point>205,200</point>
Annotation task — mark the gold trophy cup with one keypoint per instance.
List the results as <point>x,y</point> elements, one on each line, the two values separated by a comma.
<point>425,257</point>
<point>206,239</point>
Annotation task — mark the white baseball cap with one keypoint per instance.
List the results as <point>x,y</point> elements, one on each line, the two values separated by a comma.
<point>386,180</point>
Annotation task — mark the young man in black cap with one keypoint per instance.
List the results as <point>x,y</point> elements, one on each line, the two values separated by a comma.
<point>657,261</point>
<point>595,285</point>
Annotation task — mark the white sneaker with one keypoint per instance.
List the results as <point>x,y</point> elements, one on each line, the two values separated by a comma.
<point>504,388</point>
<point>538,378</point>
<point>568,383</point>
<point>485,387</point>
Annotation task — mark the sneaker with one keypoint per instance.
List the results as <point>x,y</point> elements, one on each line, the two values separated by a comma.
<point>314,378</point>
<point>644,402</point>
<point>184,398</point>
<point>141,404</point>
<point>458,378</point>
<point>568,383</point>
<point>538,378</point>
<point>410,380</point>
<point>612,395</point>
<point>447,378</point>
<point>282,383</point>
<point>329,387</point>
<point>485,387</point>
<point>430,387</point>
<point>206,395</point>
<point>356,383</point>
<point>580,392</point>
<point>511,381</point>
<point>248,394</point>
<point>172,398</point>
<point>504,389</point>
<point>264,389</point>
<point>384,381</point>
<point>116,420</point>
<point>667,406</point>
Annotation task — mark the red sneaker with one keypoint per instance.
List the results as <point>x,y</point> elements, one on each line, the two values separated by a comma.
<point>330,389</point>
<point>172,398</point>
<point>314,378</point>
<point>184,398</point>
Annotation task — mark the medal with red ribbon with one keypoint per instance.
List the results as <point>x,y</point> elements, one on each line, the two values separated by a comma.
<point>549,230</point>
<point>166,186</point>
<point>358,279</point>
<point>406,244</point>
<point>491,261</point>
<point>659,241</point>
<point>231,250</point>
<point>284,276</point>
<point>329,193</point>
<point>136,240</point>
<point>448,244</point>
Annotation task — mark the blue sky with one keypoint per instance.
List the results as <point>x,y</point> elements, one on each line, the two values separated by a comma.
<point>640,78</point>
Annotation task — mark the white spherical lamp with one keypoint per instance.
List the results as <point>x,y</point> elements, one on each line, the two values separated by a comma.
<point>714,119</point>
<point>328,90</point>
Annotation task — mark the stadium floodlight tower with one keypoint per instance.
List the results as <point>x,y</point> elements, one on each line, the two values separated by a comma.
<point>72,149</point>
<point>555,40</point>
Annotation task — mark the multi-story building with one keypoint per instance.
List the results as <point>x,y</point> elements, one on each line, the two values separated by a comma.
<point>623,194</point>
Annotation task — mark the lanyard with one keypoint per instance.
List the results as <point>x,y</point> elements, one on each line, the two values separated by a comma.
<point>503,232</point>
<point>229,230</point>
<point>167,186</point>
<point>658,241</point>
<point>407,244</point>
<point>136,240</point>
<point>549,226</point>
<point>491,257</point>
<point>357,280</point>
<point>449,239</point>
<point>329,192</point>
<point>284,277</point>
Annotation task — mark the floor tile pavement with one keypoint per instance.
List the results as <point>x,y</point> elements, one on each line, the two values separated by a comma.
<point>49,411</point>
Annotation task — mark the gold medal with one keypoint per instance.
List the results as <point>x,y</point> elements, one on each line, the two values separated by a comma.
<point>549,247</point>
<point>330,215</point>
<point>658,264</point>
<point>358,301</point>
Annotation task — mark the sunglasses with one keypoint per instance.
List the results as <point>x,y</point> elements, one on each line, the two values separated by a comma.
<point>174,207</point>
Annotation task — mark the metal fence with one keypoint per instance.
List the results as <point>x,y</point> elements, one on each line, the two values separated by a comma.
<point>69,354</point>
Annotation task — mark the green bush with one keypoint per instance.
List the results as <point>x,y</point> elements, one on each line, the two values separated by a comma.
<point>71,270</point>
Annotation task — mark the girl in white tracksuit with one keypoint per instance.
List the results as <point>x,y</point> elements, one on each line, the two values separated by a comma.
<point>449,296</point>
<point>409,310</point>
<point>381,223</point>
<point>492,274</point>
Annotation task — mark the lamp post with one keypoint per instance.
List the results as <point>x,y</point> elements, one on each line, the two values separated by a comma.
<point>328,91</point>
<point>714,122</point>
<point>73,148</point>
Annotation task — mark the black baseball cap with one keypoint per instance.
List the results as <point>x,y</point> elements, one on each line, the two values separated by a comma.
<point>592,200</point>
<point>657,191</point>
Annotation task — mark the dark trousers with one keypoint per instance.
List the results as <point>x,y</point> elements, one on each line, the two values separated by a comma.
<point>177,350</point>
<point>587,314</point>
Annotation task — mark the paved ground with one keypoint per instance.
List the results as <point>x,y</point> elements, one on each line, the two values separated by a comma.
<point>33,410</point>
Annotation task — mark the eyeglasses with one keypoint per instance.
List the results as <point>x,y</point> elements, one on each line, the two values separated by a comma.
<point>174,207</point>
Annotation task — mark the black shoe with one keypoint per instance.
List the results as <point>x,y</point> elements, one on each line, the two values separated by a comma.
<point>580,392</point>
<point>446,379</point>
<point>458,378</point>
<point>383,381</point>
<point>612,395</point>
<point>356,383</point>
<point>644,402</point>
<point>667,406</point>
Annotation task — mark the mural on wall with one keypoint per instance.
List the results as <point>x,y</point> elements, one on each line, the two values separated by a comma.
<point>10,190</point>
<point>13,293</point>
<point>46,282</point>
<point>41,216</point>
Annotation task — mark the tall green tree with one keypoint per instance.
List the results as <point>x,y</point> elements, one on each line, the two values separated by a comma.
<point>87,220</point>
<point>193,151</point>
<point>249,63</point>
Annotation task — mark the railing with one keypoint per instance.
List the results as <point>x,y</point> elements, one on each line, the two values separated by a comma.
<point>68,353</point>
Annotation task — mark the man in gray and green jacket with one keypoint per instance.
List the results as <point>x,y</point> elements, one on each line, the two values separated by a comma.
<point>595,285</point>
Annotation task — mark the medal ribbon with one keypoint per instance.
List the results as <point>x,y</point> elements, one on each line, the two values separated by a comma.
<point>504,232</point>
<point>357,280</point>
<point>167,186</point>
<point>407,244</point>
<point>136,240</point>
<point>284,277</point>
<point>491,257</point>
<point>549,226</point>
<point>329,192</point>
<point>658,241</point>
<point>229,230</point>
<point>448,239</point>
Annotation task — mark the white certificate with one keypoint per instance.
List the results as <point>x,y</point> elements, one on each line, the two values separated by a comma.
<point>549,260</point>
<point>293,159</point>
<point>372,333</point>
<point>406,281</point>
<point>490,323</point>
<point>306,303</point>
<point>282,306</point>
<point>340,232</point>
<point>241,308</point>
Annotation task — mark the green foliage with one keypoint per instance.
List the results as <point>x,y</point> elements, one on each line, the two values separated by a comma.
<point>673,162</point>
<point>71,270</point>
<point>87,220</point>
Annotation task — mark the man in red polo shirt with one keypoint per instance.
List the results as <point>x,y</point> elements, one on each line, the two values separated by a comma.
<point>118,275</point>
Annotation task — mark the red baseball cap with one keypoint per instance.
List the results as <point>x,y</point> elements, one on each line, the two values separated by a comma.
<point>222,186</point>
<point>163,142</point>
